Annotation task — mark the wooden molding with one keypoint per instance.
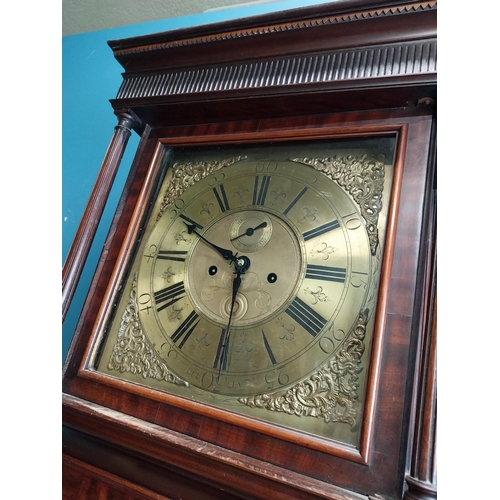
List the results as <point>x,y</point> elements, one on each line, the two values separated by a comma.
<point>204,461</point>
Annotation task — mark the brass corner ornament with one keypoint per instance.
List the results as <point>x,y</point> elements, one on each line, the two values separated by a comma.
<point>187,174</point>
<point>133,352</point>
<point>330,393</point>
<point>363,178</point>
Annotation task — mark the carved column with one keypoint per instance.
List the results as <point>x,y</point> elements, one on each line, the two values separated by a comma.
<point>421,481</point>
<point>84,237</point>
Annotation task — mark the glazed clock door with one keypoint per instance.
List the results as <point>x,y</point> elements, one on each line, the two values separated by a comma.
<point>254,286</point>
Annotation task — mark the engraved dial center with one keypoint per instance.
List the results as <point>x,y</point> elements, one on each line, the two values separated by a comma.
<point>259,296</point>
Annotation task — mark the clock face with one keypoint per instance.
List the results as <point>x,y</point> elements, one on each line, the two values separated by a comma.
<point>308,259</point>
<point>255,283</point>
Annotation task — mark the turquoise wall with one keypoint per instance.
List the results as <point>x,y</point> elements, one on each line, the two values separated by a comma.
<point>90,77</point>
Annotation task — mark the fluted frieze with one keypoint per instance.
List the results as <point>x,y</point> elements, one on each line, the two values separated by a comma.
<point>382,61</point>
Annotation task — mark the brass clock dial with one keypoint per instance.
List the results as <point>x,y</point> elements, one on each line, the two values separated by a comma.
<point>255,284</point>
<point>301,290</point>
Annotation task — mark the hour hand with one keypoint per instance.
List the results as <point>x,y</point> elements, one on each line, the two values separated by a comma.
<point>227,254</point>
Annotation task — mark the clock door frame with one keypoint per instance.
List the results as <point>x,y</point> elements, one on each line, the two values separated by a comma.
<point>125,431</point>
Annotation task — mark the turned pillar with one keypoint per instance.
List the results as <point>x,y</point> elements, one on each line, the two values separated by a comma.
<point>87,229</point>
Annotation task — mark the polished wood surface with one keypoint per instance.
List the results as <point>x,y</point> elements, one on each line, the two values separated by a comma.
<point>147,438</point>
<point>82,481</point>
<point>422,477</point>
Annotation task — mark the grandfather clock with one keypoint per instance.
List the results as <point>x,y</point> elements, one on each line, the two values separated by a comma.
<point>261,323</point>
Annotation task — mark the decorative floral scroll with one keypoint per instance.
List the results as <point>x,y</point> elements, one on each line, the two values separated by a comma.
<point>187,174</point>
<point>133,352</point>
<point>363,178</point>
<point>331,393</point>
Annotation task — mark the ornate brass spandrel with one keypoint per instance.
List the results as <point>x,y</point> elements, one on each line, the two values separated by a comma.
<point>187,174</point>
<point>363,178</point>
<point>133,352</point>
<point>331,392</point>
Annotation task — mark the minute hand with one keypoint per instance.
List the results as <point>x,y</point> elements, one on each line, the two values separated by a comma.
<point>227,254</point>
<point>225,347</point>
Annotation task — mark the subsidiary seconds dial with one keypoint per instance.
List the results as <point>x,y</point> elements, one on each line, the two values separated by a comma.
<point>251,230</point>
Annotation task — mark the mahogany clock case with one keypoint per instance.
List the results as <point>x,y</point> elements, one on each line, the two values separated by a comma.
<point>306,303</point>
<point>130,429</point>
<point>291,450</point>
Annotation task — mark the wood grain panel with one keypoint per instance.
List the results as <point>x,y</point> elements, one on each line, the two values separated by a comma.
<point>82,481</point>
